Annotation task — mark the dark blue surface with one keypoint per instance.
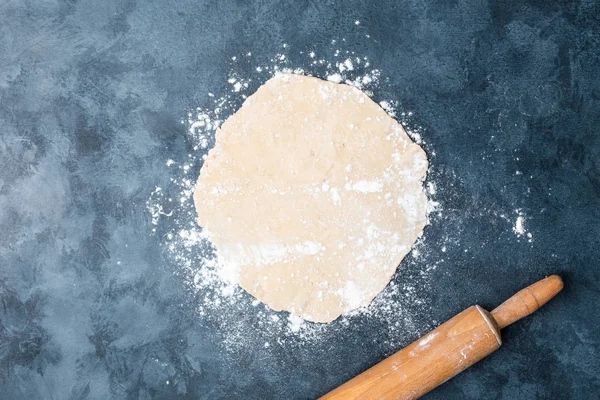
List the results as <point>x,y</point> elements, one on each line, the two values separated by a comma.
<point>91,98</point>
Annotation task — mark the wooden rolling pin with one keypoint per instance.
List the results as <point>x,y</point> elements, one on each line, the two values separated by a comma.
<point>447,350</point>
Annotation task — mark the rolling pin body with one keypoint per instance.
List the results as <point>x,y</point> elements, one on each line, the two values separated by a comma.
<point>446,351</point>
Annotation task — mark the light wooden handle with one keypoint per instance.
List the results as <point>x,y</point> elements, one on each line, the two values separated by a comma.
<point>527,301</point>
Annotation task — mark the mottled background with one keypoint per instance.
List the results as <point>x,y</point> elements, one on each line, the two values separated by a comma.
<point>91,98</point>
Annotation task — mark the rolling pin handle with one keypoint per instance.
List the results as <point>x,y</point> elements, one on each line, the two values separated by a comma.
<point>527,301</point>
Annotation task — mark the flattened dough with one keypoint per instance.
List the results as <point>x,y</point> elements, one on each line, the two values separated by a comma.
<point>312,195</point>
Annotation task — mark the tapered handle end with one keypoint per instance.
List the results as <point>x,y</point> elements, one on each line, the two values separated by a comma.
<point>546,289</point>
<point>527,301</point>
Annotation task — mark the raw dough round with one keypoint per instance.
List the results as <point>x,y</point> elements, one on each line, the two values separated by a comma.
<point>312,196</point>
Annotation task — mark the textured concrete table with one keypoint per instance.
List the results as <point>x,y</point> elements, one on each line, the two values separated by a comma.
<point>92,94</point>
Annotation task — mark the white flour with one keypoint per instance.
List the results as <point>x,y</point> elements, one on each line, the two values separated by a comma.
<point>519,227</point>
<point>365,186</point>
<point>401,311</point>
<point>221,300</point>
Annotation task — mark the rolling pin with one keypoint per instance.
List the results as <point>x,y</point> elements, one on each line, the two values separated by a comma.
<point>447,350</point>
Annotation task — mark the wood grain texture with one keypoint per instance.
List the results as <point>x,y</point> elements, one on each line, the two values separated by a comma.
<point>428,362</point>
<point>447,350</point>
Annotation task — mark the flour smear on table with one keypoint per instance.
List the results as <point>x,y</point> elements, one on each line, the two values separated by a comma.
<point>401,310</point>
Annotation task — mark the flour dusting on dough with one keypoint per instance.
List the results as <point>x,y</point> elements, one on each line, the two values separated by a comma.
<point>281,141</point>
<point>401,309</point>
<point>367,186</point>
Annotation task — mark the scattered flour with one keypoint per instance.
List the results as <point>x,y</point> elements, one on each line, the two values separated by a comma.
<point>425,341</point>
<point>402,310</point>
<point>399,307</point>
<point>367,186</point>
<point>519,226</point>
<point>295,323</point>
<point>337,78</point>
